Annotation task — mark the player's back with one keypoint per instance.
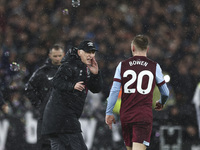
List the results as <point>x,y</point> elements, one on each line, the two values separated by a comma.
<point>138,81</point>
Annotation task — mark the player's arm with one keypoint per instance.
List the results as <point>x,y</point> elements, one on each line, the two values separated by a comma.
<point>162,86</point>
<point>113,95</point>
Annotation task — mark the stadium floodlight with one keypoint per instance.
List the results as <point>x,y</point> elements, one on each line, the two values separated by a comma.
<point>167,78</point>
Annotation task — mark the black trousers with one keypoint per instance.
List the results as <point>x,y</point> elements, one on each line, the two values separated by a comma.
<point>44,144</point>
<point>68,142</point>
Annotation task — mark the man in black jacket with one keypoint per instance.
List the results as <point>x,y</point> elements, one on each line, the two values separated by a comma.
<point>78,73</point>
<point>39,87</point>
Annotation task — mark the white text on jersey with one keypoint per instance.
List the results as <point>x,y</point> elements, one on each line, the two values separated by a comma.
<point>138,62</point>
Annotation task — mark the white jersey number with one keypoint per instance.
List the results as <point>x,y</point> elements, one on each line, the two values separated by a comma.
<point>139,81</point>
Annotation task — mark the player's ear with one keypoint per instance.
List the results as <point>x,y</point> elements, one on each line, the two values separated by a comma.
<point>133,48</point>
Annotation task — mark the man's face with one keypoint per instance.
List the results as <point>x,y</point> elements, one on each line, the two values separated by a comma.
<point>56,56</point>
<point>86,57</point>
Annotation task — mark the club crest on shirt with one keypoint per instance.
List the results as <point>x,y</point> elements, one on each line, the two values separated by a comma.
<point>81,73</point>
<point>87,71</point>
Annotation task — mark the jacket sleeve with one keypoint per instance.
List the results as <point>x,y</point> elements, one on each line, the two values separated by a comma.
<point>62,80</point>
<point>95,83</point>
<point>32,90</point>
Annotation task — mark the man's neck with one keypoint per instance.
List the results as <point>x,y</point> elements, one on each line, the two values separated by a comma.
<point>140,54</point>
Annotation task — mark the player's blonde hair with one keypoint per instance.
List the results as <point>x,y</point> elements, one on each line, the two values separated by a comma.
<point>141,42</point>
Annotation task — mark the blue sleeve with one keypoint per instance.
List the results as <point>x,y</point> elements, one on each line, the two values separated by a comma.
<point>164,91</point>
<point>159,75</point>
<point>114,92</point>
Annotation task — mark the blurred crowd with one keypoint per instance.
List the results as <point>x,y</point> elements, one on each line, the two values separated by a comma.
<point>28,28</point>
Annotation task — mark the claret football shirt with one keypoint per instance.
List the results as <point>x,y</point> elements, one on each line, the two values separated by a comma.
<point>137,76</point>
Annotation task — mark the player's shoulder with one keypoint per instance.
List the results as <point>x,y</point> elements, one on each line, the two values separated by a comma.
<point>126,60</point>
<point>151,60</point>
<point>138,61</point>
<point>140,58</point>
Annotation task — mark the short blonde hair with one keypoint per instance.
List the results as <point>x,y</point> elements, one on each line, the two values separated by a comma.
<point>141,41</point>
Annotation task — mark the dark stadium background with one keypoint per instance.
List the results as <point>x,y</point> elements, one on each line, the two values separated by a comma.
<point>28,28</point>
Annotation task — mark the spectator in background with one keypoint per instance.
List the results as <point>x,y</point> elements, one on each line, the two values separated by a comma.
<point>39,87</point>
<point>3,105</point>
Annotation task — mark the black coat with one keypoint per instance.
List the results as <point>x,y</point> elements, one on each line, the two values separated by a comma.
<point>39,87</point>
<point>65,105</point>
